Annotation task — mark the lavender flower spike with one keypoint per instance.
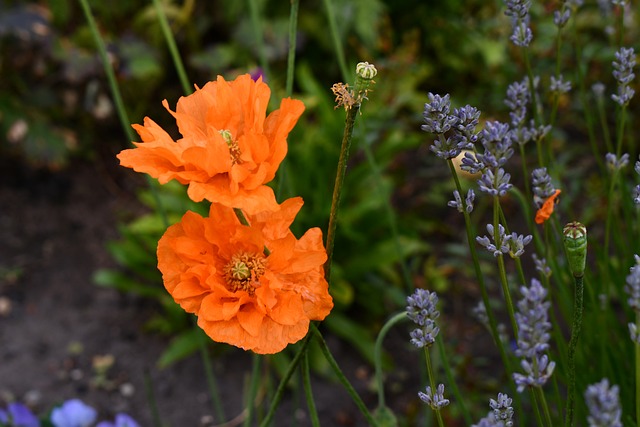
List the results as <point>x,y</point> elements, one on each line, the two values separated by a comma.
<point>603,403</point>
<point>501,240</point>
<point>517,244</point>
<point>434,399</point>
<point>459,205</point>
<point>502,409</point>
<point>421,309</point>
<point>623,73</point>
<point>533,337</point>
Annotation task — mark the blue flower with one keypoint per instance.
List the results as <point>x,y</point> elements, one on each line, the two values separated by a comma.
<point>73,413</point>
<point>18,415</point>
<point>122,420</point>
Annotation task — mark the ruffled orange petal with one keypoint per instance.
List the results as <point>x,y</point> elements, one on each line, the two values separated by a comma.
<point>545,211</point>
<point>264,316</point>
<point>233,169</point>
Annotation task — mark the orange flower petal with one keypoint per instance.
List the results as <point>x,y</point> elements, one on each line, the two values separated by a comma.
<point>263,310</point>
<point>231,169</point>
<point>544,213</point>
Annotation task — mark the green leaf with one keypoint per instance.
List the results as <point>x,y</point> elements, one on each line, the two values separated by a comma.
<point>180,347</point>
<point>114,279</point>
<point>355,335</point>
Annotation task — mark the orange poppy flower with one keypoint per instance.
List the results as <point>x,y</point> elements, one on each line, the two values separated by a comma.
<point>216,268</point>
<point>229,148</point>
<point>545,211</point>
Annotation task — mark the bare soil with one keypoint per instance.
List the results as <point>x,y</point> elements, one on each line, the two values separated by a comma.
<point>54,321</point>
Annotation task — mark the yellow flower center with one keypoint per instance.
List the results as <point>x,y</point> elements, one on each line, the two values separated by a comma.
<point>234,150</point>
<point>243,272</point>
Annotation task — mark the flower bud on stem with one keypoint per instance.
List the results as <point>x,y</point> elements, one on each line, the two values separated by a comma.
<point>575,244</point>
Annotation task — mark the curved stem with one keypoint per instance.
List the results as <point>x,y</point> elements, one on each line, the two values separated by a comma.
<point>377,354</point>
<point>575,335</point>
<point>285,379</point>
<point>452,383</point>
<point>342,378</point>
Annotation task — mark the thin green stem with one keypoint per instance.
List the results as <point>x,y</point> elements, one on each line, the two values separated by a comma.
<point>620,131</point>
<point>335,36</point>
<point>291,56</point>
<point>253,389</point>
<point>575,335</point>
<point>173,48</point>
<point>501,269</point>
<point>151,399</point>
<point>350,120</point>
<point>277,397</point>
<point>460,400</point>
<point>117,99</point>
<point>377,354</point>
<point>308,392</point>
<point>432,382</point>
<point>603,123</point>
<point>476,264</point>
<point>545,406</point>
<point>256,23</point>
<point>342,378</point>
<point>214,393</point>
<point>637,360</point>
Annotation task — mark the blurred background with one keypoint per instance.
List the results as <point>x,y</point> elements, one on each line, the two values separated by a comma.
<point>83,312</point>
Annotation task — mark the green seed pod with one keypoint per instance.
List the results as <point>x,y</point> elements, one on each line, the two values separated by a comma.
<point>575,244</point>
<point>366,71</point>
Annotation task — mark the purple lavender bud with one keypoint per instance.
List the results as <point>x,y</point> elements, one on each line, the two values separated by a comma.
<point>471,164</point>
<point>518,97</point>
<point>542,187</point>
<point>623,73</point>
<point>489,421</point>
<point>517,244</point>
<point>436,114</point>
<point>426,335</point>
<point>459,205</point>
<point>632,287</point>
<point>421,305</point>
<point>532,320</point>
<point>559,86</point>
<point>614,164</point>
<point>495,185</point>
<point>633,333</point>
<point>468,118</point>
<point>603,403</point>
<point>636,195</point>
<point>502,409</point>
<point>541,265</point>
<point>637,167</point>
<point>501,241</point>
<point>522,34</point>
<point>434,399</point>
<point>518,9</point>
<point>560,18</point>
<point>537,374</point>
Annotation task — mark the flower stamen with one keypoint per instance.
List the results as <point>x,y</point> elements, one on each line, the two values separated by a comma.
<point>243,272</point>
<point>234,149</point>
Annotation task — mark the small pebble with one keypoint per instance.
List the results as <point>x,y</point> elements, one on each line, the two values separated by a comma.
<point>127,389</point>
